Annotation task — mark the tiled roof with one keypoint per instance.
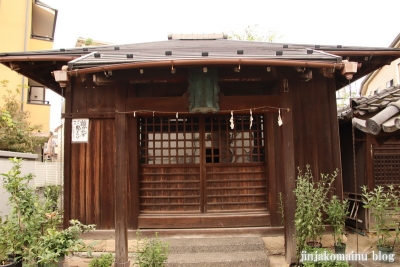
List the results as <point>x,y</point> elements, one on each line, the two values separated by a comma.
<point>194,50</point>
<point>376,113</point>
<point>187,49</point>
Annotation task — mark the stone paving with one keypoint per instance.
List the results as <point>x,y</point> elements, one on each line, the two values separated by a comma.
<point>356,243</point>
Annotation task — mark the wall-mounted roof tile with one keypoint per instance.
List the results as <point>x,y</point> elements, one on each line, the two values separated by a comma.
<point>378,112</point>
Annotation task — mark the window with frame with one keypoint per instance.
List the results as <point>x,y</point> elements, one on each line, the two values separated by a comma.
<point>36,93</point>
<point>44,20</point>
<point>389,83</point>
<point>180,140</point>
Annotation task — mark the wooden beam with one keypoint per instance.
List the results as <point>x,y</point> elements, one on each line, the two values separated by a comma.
<point>289,175</point>
<point>181,104</point>
<point>97,115</point>
<point>121,181</point>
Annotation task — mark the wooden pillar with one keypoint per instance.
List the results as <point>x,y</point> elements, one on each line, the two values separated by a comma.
<point>269,125</point>
<point>337,162</point>
<point>121,181</point>
<point>134,156</point>
<point>67,156</point>
<point>289,173</point>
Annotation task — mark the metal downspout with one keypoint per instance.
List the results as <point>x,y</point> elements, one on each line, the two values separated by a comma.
<point>25,46</point>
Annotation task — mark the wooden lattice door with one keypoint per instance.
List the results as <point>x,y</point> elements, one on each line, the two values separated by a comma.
<point>200,165</point>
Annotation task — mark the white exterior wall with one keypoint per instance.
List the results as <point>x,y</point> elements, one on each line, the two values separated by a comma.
<point>28,166</point>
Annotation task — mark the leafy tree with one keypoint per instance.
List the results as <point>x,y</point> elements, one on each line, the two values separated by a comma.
<point>89,41</point>
<point>251,33</point>
<point>16,133</point>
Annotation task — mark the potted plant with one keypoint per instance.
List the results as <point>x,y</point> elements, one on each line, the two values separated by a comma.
<point>4,259</point>
<point>54,245</point>
<point>310,202</point>
<point>383,202</point>
<point>23,226</point>
<point>337,211</point>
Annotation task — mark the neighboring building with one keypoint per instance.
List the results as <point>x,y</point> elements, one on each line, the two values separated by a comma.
<point>26,26</point>
<point>197,132</point>
<point>370,127</point>
<point>385,77</point>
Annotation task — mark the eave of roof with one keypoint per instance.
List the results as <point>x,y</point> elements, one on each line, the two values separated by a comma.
<point>198,52</point>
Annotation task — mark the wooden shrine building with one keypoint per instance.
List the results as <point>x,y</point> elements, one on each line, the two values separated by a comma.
<point>196,132</point>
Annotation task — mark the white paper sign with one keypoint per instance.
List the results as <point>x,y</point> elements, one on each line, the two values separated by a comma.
<point>80,130</point>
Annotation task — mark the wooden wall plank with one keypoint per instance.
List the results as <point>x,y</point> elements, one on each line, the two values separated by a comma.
<point>324,134</point>
<point>79,104</point>
<point>134,157</point>
<point>81,182</point>
<point>247,102</point>
<point>181,104</point>
<point>305,115</point>
<point>201,221</point>
<point>335,137</point>
<point>78,185</point>
<point>93,173</point>
<point>301,123</point>
<point>167,104</point>
<point>100,98</point>
<point>107,173</point>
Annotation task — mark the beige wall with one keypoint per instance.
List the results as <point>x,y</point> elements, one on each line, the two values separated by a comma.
<point>15,31</point>
<point>382,76</point>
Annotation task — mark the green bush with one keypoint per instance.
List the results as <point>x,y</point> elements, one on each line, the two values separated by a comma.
<point>336,210</point>
<point>311,198</point>
<point>16,133</point>
<point>151,253</point>
<point>31,230</point>
<point>105,260</point>
<point>384,203</point>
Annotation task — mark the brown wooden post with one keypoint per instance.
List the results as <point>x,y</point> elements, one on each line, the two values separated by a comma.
<point>289,168</point>
<point>67,155</point>
<point>337,162</point>
<point>269,125</point>
<point>134,157</point>
<point>121,181</point>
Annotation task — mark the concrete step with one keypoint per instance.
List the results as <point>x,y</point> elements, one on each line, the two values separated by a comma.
<point>227,259</point>
<point>216,252</point>
<point>222,244</point>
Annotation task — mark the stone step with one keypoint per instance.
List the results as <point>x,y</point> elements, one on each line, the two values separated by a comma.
<point>216,252</point>
<point>222,244</point>
<point>218,259</point>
